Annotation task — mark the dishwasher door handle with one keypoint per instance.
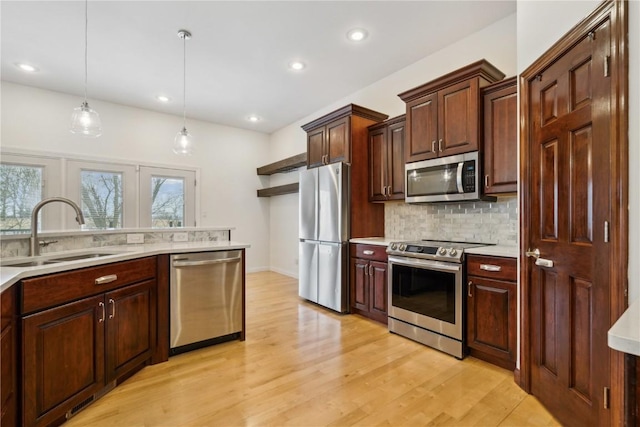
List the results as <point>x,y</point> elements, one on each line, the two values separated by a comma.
<point>180,263</point>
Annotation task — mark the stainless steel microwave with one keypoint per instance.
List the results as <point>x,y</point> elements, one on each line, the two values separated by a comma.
<point>445,179</point>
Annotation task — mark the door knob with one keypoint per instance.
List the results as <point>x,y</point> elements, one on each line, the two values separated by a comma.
<point>533,253</point>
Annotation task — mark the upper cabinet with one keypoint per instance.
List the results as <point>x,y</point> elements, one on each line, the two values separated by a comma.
<point>330,138</point>
<point>501,137</point>
<point>444,115</point>
<point>386,160</point>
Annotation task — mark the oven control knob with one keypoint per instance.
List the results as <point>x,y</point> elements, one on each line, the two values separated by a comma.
<point>394,246</point>
<point>442,251</point>
<point>402,246</point>
<point>453,252</point>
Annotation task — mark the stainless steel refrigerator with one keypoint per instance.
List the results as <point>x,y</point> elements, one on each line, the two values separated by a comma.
<point>324,234</point>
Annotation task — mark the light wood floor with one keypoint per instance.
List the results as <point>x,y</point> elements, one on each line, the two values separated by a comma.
<point>303,365</point>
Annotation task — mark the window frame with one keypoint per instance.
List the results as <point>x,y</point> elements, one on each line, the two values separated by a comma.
<point>146,173</point>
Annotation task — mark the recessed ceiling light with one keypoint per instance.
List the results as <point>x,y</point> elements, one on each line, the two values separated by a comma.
<point>297,65</point>
<point>26,67</point>
<point>253,118</point>
<point>163,98</point>
<point>357,34</point>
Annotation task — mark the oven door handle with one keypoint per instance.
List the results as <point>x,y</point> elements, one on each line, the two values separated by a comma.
<point>426,264</point>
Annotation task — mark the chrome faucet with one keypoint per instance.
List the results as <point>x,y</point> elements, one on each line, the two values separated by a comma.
<point>34,245</point>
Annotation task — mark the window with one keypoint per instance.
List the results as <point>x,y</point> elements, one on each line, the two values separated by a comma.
<point>106,193</point>
<point>111,195</point>
<point>166,197</point>
<point>25,181</point>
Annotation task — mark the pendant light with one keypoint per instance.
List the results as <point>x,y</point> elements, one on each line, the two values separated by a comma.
<point>183,142</point>
<point>85,120</point>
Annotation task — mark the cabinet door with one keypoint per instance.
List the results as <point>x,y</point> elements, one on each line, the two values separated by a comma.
<point>422,127</point>
<point>337,141</point>
<point>130,327</point>
<point>378,164</point>
<point>491,319</point>
<point>315,147</point>
<point>395,161</point>
<point>63,359</point>
<point>378,290</point>
<point>8,365</point>
<point>458,117</point>
<point>501,141</point>
<point>359,284</point>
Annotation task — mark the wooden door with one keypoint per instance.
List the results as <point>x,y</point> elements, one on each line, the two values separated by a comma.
<point>458,118</point>
<point>315,147</point>
<point>337,141</point>
<point>501,137</point>
<point>395,161</point>
<point>62,360</point>
<point>570,200</point>
<point>422,125</point>
<point>378,290</point>
<point>130,327</point>
<point>359,284</point>
<point>378,164</point>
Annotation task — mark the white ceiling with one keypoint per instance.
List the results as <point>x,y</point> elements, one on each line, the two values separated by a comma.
<point>238,56</point>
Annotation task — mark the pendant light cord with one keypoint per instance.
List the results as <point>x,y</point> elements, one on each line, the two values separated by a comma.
<point>86,42</point>
<point>184,81</point>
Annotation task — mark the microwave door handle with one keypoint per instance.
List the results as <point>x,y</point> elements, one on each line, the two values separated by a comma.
<point>459,177</point>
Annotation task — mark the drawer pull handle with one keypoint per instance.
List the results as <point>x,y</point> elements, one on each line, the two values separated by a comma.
<point>106,279</point>
<point>490,267</point>
<point>368,252</point>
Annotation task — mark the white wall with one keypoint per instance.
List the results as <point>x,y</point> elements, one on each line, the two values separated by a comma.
<point>38,120</point>
<point>495,43</point>
<point>534,39</point>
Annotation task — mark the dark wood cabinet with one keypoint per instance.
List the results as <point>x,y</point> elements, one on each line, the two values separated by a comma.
<point>8,366</point>
<point>330,139</point>
<point>102,329</point>
<point>368,279</point>
<point>444,115</point>
<point>386,160</point>
<point>500,137</point>
<point>342,136</point>
<point>491,309</point>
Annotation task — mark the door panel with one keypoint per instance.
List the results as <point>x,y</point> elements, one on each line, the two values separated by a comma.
<point>337,140</point>
<point>315,147</point>
<point>458,118</point>
<point>569,202</point>
<point>377,164</point>
<point>331,286</point>
<point>308,271</point>
<point>422,120</point>
<point>308,204</point>
<point>332,209</point>
<point>395,161</point>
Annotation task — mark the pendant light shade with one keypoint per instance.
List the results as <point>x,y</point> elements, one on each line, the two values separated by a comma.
<point>85,120</point>
<point>183,142</point>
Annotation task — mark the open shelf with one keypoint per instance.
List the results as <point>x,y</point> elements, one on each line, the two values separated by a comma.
<point>279,190</point>
<point>285,165</point>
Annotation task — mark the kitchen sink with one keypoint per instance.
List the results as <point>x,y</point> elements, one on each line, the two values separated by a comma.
<point>40,261</point>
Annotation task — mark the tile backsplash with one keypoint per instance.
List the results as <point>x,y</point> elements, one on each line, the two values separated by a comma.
<point>13,247</point>
<point>485,222</point>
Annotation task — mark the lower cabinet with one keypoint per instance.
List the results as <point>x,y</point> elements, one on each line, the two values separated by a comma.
<point>73,352</point>
<point>491,309</point>
<point>368,281</point>
<point>8,367</point>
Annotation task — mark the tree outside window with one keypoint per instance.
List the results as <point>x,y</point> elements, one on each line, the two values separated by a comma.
<point>167,207</point>
<point>101,199</point>
<point>20,191</point>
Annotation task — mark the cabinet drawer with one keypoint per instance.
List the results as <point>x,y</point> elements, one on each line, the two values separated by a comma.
<point>55,289</point>
<point>492,267</point>
<point>371,252</point>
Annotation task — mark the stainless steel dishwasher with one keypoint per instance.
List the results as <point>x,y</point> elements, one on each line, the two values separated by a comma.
<point>206,294</point>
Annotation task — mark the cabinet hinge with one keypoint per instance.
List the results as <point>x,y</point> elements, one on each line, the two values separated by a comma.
<point>607,60</point>
<point>605,397</point>
<point>606,231</point>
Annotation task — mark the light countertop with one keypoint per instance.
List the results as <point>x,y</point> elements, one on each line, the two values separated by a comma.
<point>624,335</point>
<point>380,241</point>
<point>496,250</point>
<point>10,275</point>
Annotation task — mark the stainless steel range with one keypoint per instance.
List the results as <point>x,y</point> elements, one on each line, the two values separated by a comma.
<point>426,302</point>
